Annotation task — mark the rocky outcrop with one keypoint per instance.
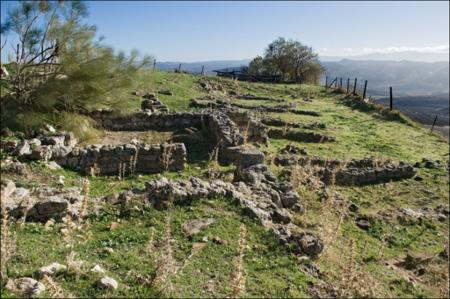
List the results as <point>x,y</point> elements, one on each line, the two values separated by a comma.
<point>266,200</point>
<point>276,133</point>
<point>126,159</point>
<point>40,204</point>
<point>43,147</point>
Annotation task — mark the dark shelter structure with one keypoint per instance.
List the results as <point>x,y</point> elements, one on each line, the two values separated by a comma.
<point>241,74</point>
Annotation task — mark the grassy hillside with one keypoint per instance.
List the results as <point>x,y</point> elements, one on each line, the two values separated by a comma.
<point>149,245</point>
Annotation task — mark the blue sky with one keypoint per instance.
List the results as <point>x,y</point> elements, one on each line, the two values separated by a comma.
<point>198,31</point>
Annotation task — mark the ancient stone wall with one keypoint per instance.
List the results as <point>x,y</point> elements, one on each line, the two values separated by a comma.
<point>252,129</point>
<point>141,121</point>
<point>354,172</point>
<point>125,159</point>
<point>277,133</point>
<point>221,130</point>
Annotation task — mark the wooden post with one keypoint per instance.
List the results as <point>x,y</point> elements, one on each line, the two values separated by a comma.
<point>340,83</point>
<point>365,88</point>
<point>354,86</point>
<point>203,69</point>
<point>326,81</point>
<point>179,68</point>
<point>391,100</point>
<point>348,84</point>
<point>17,52</point>
<point>434,122</point>
<point>154,64</point>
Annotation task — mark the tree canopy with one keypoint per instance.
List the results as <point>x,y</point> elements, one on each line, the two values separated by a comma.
<point>58,64</point>
<point>289,59</point>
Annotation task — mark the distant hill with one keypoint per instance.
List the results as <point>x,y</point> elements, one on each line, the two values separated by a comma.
<point>196,67</point>
<point>397,56</point>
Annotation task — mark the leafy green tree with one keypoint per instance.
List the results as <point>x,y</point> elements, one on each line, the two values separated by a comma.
<point>256,66</point>
<point>289,59</point>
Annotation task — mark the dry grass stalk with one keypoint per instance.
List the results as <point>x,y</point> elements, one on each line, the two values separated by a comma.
<point>133,161</point>
<point>213,160</point>
<point>166,265</point>
<point>85,204</point>
<point>238,280</point>
<point>355,283</point>
<point>196,249</point>
<point>245,132</point>
<point>166,156</point>
<point>54,289</point>
<point>8,239</point>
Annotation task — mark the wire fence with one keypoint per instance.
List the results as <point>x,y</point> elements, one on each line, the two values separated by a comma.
<point>358,87</point>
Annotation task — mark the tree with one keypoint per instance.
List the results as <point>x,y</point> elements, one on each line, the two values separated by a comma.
<point>289,59</point>
<point>57,65</point>
<point>256,66</point>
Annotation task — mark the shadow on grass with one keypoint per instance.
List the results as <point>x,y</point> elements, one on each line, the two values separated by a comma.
<point>378,110</point>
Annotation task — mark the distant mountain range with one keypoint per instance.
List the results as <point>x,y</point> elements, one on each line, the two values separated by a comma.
<point>396,56</point>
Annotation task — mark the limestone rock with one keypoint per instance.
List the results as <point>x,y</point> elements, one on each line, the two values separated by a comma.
<point>52,165</point>
<point>107,283</point>
<point>22,149</point>
<point>97,269</point>
<point>281,216</point>
<point>7,188</point>
<point>25,286</point>
<point>41,153</point>
<point>193,227</point>
<point>52,269</point>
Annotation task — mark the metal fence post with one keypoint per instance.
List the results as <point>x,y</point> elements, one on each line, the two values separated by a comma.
<point>391,100</point>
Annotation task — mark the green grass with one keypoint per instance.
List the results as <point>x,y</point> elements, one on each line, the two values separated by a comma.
<point>270,271</point>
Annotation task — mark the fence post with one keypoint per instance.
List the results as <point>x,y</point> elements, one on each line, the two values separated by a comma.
<point>154,64</point>
<point>179,68</point>
<point>203,69</point>
<point>335,83</point>
<point>354,87</point>
<point>365,88</point>
<point>391,100</point>
<point>340,83</point>
<point>348,84</point>
<point>326,81</point>
<point>434,122</point>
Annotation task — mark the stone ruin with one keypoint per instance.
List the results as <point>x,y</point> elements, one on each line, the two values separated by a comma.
<point>151,104</point>
<point>209,102</point>
<point>355,172</point>
<point>277,122</point>
<point>277,133</point>
<point>126,159</point>
<point>259,192</point>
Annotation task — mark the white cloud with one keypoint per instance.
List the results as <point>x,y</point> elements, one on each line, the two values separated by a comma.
<point>348,49</point>
<point>444,49</point>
